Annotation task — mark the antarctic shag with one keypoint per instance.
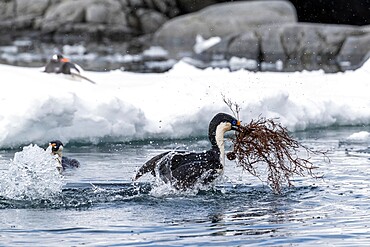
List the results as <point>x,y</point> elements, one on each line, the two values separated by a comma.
<point>183,169</point>
<point>63,162</point>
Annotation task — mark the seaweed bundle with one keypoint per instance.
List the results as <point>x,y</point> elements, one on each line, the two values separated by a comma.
<point>265,142</point>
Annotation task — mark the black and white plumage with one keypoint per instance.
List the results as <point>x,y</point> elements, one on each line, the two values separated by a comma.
<point>61,65</point>
<point>63,162</point>
<point>183,169</point>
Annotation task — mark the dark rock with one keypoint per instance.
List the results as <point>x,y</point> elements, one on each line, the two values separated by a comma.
<point>178,34</point>
<point>149,4</point>
<point>160,5</point>
<point>271,47</point>
<point>23,22</point>
<point>87,21</point>
<point>7,10</point>
<point>310,46</point>
<point>34,8</point>
<point>136,3</point>
<point>125,3</point>
<point>245,45</point>
<point>291,47</point>
<point>355,50</point>
<point>150,20</point>
<point>255,35</point>
<point>64,13</point>
<point>108,13</point>
<point>97,14</point>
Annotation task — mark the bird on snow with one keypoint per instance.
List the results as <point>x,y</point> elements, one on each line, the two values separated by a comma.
<point>183,170</point>
<point>61,65</point>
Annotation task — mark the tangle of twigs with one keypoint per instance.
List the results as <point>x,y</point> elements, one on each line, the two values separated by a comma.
<point>265,141</point>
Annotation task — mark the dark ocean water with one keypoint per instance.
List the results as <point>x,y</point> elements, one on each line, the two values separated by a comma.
<point>99,205</point>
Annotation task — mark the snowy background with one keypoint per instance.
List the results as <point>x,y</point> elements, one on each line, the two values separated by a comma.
<point>36,107</point>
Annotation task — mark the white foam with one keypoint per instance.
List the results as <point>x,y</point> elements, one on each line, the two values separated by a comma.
<point>32,174</point>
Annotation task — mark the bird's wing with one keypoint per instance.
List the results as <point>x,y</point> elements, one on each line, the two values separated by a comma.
<point>150,165</point>
<point>68,162</point>
<point>68,68</point>
<point>182,158</point>
<point>189,168</point>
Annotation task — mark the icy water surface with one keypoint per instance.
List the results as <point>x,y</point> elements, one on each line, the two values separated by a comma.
<point>98,205</point>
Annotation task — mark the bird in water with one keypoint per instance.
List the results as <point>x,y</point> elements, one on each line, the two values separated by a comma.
<point>184,170</point>
<point>63,162</point>
<point>61,65</point>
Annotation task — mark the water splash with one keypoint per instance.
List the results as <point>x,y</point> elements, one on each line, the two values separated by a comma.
<point>161,188</point>
<point>31,175</point>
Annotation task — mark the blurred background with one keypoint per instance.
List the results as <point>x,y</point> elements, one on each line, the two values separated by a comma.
<point>152,35</point>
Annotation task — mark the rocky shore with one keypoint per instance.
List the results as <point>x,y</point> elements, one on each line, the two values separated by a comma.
<point>151,35</point>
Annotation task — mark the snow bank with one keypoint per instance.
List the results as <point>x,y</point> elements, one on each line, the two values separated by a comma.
<point>36,107</point>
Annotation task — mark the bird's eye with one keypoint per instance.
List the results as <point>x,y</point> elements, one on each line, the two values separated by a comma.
<point>233,122</point>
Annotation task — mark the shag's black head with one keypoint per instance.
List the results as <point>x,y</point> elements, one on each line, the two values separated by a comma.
<point>216,120</point>
<point>56,146</point>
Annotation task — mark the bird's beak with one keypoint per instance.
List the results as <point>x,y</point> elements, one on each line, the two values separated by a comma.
<point>64,60</point>
<point>53,145</point>
<point>236,126</point>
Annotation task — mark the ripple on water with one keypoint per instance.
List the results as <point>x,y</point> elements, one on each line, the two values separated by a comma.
<point>113,211</point>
